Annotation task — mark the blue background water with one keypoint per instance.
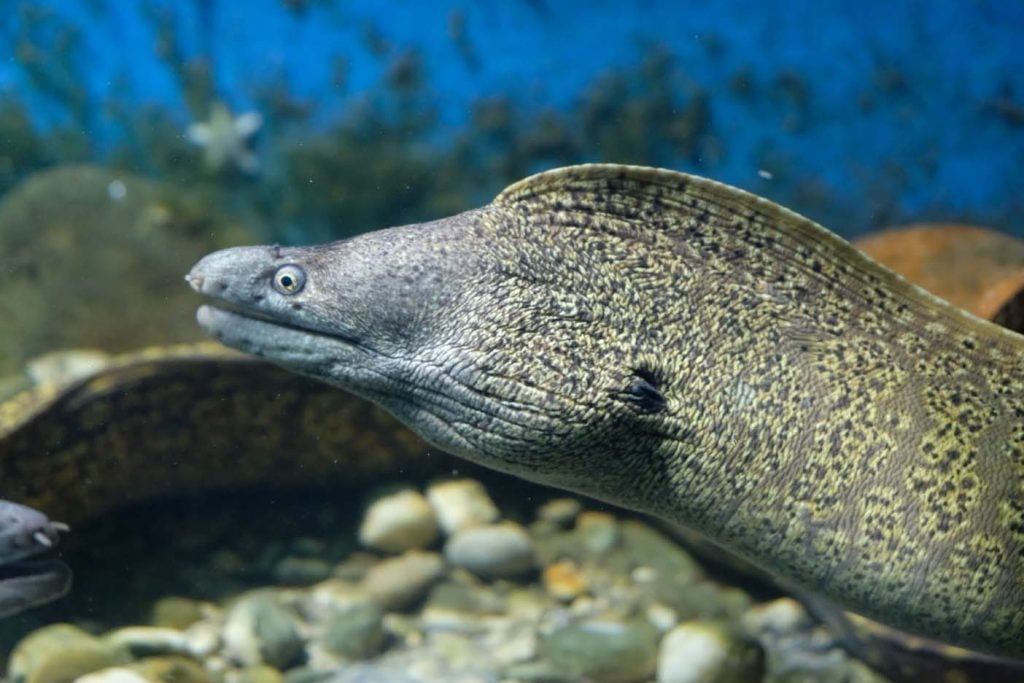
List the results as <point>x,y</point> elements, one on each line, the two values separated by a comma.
<point>864,113</point>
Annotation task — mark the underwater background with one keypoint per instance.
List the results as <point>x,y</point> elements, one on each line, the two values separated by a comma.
<point>864,114</point>
<point>136,136</point>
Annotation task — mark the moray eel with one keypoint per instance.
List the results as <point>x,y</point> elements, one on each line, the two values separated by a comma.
<point>24,533</point>
<point>173,421</point>
<point>683,348</point>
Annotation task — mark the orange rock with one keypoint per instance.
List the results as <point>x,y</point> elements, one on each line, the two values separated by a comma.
<point>564,580</point>
<point>975,268</point>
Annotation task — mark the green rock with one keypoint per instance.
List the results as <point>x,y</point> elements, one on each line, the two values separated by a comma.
<point>171,670</point>
<point>61,653</point>
<point>175,612</point>
<point>260,631</point>
<point>604,651</point>
<point>259,674</point>
<point>355,632</point>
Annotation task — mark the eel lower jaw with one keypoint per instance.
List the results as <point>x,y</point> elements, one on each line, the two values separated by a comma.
<point>290,345</point>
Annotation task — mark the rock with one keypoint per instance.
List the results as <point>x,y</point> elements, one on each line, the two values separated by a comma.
<point>398,582</point>
<point>455,596</point>
<point>561,512</point>
<point>599,531</point>
<point>203,638</point>
<point>170,670</point>
<point>147,641</point>
<point>117,674</point>
<point>255,674</point>
<point>356,632</point>
<point>460,504</point>
<point>175,612</point>
<point>604,651</point>
<point>781,616</point>
<point>260,631</point>
<point>502,550</point>
<point>705,652</point>
<point>564,580</point>
<point>399,521</point>
<point>60,653</point>
<point>330,596</point>
<point>661,616</point>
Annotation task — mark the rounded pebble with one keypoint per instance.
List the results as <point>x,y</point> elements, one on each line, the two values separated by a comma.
<point>399,521</point>
<point>599,530</point>
<point>117,674</point>
<point>260,631</point>
<point>175,612</point>
<point>460,504</point>
<point>146,641</point>
<point>255,674</point>
<point>356,632</point>
<point>703,652</point>
<point>60,653</point>
<point>561,512</point>
<point>398,582</point>
<point>604,651</point>
<point>170,670</point>
<point>501,550</point>
<point>784,615</point>
<point>564,580</point>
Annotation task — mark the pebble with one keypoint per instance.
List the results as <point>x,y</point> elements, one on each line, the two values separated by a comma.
<point>564,580</point>
<point>355,632</point>
<point>399,521</point>
<point>147,641</point>
<point>254,674</point>
<point>599,531</point>
<point>704,652</point>
<point>460,504</point>
<point>117,674</point>
<point>260,631</point>
<point>502,550</point>
<point>780,616</point>
<point>399,582</point>
<point>604,651</point>
<point>170,670</point>
<point>60,653</point>
<point>175,612</point>
<point>561,512</point>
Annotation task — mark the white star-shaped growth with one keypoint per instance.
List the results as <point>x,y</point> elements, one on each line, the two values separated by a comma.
<point>225,139</point>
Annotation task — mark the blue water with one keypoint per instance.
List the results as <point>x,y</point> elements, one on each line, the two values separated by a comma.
<point>863,113</point>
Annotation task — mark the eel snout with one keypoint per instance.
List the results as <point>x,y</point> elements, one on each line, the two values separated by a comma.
<point>26,532</point>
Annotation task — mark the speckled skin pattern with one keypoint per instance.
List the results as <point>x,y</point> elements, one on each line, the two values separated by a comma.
<point>189,419</point>
<point>681,347</point>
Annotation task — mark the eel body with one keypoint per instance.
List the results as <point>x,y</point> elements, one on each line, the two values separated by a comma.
<point>684,348</point>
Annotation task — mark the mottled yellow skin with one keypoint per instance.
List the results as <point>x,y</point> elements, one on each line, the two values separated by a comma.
<point>175,420</point>
<point>688,349</point>
<point>869,443</point>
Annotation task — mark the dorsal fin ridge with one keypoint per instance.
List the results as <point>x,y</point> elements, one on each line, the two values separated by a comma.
<point>630,191</point>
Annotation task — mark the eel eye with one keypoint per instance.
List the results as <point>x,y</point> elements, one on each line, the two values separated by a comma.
<point>289,280</point>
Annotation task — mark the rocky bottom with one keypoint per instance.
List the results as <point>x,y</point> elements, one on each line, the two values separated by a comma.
<point>439,584</point>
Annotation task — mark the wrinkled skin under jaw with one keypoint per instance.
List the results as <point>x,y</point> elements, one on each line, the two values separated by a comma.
<point>24,533</point>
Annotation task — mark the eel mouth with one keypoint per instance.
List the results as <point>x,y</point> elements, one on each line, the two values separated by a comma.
<point>286,338</point>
